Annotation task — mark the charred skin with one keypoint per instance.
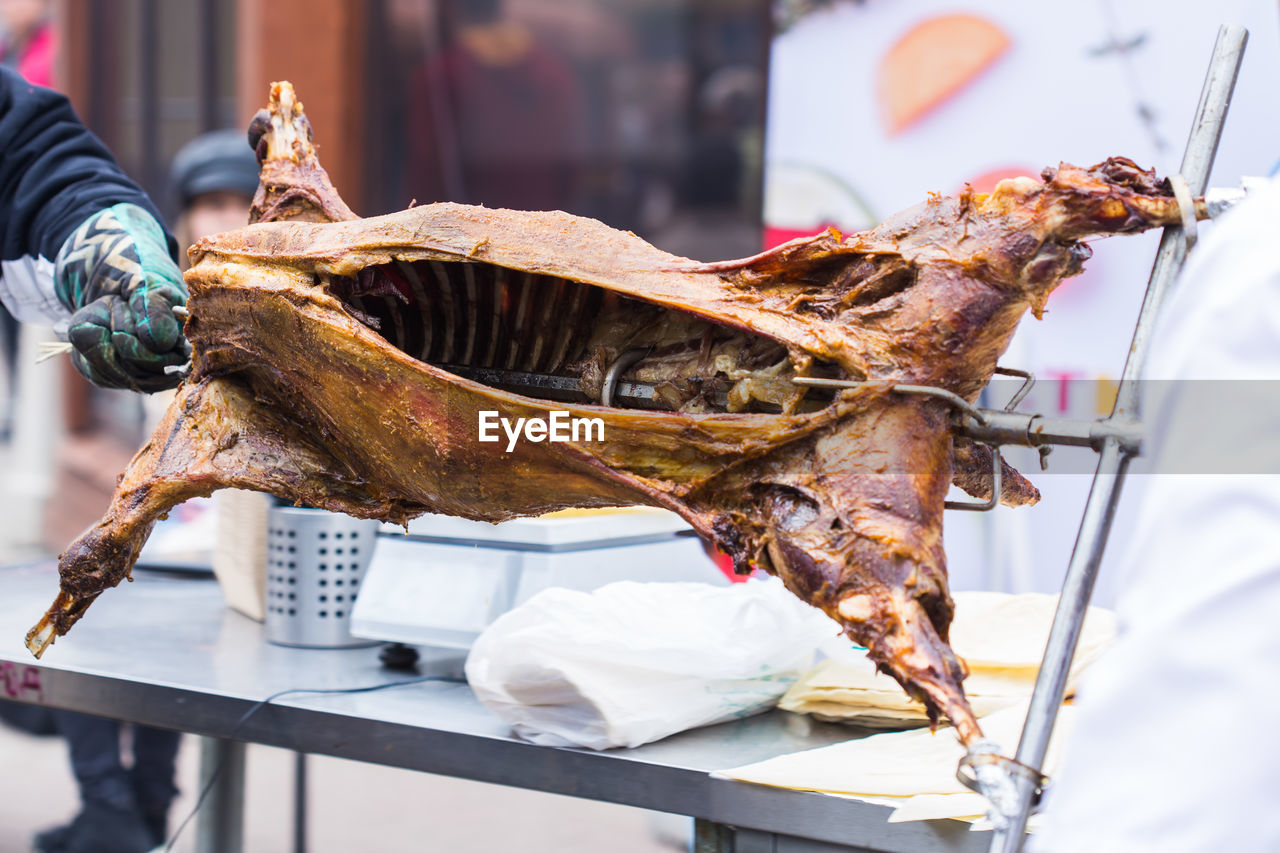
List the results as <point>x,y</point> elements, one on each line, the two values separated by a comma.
<point>972,473</point>
<point>298,390</point>
<point>851,520</point>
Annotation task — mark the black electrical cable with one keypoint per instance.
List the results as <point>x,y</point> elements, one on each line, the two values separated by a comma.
<point>258,706</point>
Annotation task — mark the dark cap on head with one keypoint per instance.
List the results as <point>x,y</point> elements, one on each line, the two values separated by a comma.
<point>215,162</point>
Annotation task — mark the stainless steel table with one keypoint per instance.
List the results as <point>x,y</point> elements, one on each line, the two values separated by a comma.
<point>165,651</point>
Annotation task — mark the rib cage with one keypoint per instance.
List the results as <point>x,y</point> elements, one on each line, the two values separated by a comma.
<point>478,315</point>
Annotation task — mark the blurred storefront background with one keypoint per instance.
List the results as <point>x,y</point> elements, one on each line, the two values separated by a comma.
<point>646,114</point>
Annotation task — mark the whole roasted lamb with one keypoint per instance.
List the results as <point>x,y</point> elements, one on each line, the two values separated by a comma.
<point>354,364</point>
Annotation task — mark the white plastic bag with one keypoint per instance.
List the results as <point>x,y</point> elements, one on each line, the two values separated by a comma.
<point>634,662</point>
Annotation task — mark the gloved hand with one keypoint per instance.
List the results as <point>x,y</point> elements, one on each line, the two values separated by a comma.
<point>115,274</point>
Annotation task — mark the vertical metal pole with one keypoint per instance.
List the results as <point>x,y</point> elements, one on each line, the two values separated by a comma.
<point>220,823</point>
<point>1104,494</point>
<point>299,802</point>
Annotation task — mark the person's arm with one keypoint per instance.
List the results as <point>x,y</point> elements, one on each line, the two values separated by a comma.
<point>81,245</point>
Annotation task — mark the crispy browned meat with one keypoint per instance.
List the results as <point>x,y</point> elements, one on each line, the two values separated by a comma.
<point>331,356</point>
<point>972,473</point>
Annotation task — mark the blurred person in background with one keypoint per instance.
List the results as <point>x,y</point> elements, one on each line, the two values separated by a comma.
<point>215,177</point>
<point>125,810</point>
<point>716,188</point>
<point>494,117</point>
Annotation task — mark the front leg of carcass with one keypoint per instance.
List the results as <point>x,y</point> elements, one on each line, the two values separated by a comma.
<point>851,522</point>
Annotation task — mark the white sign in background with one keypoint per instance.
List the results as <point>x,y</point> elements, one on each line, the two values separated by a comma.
<point>1071,84</point>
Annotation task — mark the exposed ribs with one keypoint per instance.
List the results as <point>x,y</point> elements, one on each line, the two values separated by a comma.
<point>474,314</point>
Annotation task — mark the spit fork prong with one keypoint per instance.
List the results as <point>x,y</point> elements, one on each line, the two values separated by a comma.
<point>1028,382</point>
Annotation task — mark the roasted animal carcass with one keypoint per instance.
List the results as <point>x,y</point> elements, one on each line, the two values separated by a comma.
<point>347,363</point>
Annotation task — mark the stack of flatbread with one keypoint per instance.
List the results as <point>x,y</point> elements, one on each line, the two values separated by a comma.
<point>1000,637</point>
<point>913,772</point>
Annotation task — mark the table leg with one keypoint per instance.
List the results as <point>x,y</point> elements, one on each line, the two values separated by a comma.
<point>220,822</point>
<point>300,802</point>
<point>711,837</point>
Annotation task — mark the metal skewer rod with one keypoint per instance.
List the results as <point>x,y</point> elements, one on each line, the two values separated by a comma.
<point>51,349</point>
<point>1023,429</point>
<point>1104,494</point>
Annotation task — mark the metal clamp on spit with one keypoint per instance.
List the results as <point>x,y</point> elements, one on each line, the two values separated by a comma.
<point>985,771</point>
<point>997,427</point>
<point>1186,207</point>
<point>1004,426</point>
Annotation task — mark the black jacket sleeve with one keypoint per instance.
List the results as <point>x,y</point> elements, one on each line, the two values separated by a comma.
<point>54,174</point>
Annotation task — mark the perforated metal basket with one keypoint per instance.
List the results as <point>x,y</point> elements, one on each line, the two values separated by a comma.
<point>315,564</point>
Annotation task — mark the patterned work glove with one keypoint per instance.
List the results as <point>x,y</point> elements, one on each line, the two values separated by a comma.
<point>115,274</point>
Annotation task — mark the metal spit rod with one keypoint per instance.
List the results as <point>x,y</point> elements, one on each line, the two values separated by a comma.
<point>1104,494</point>
<point>1025,429</point>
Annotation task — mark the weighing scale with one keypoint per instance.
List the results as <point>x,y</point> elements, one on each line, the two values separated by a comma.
<point>446,579</point>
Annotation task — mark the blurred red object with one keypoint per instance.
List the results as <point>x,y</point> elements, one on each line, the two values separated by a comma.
<point>725,564</point>
<point>32,55</point>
